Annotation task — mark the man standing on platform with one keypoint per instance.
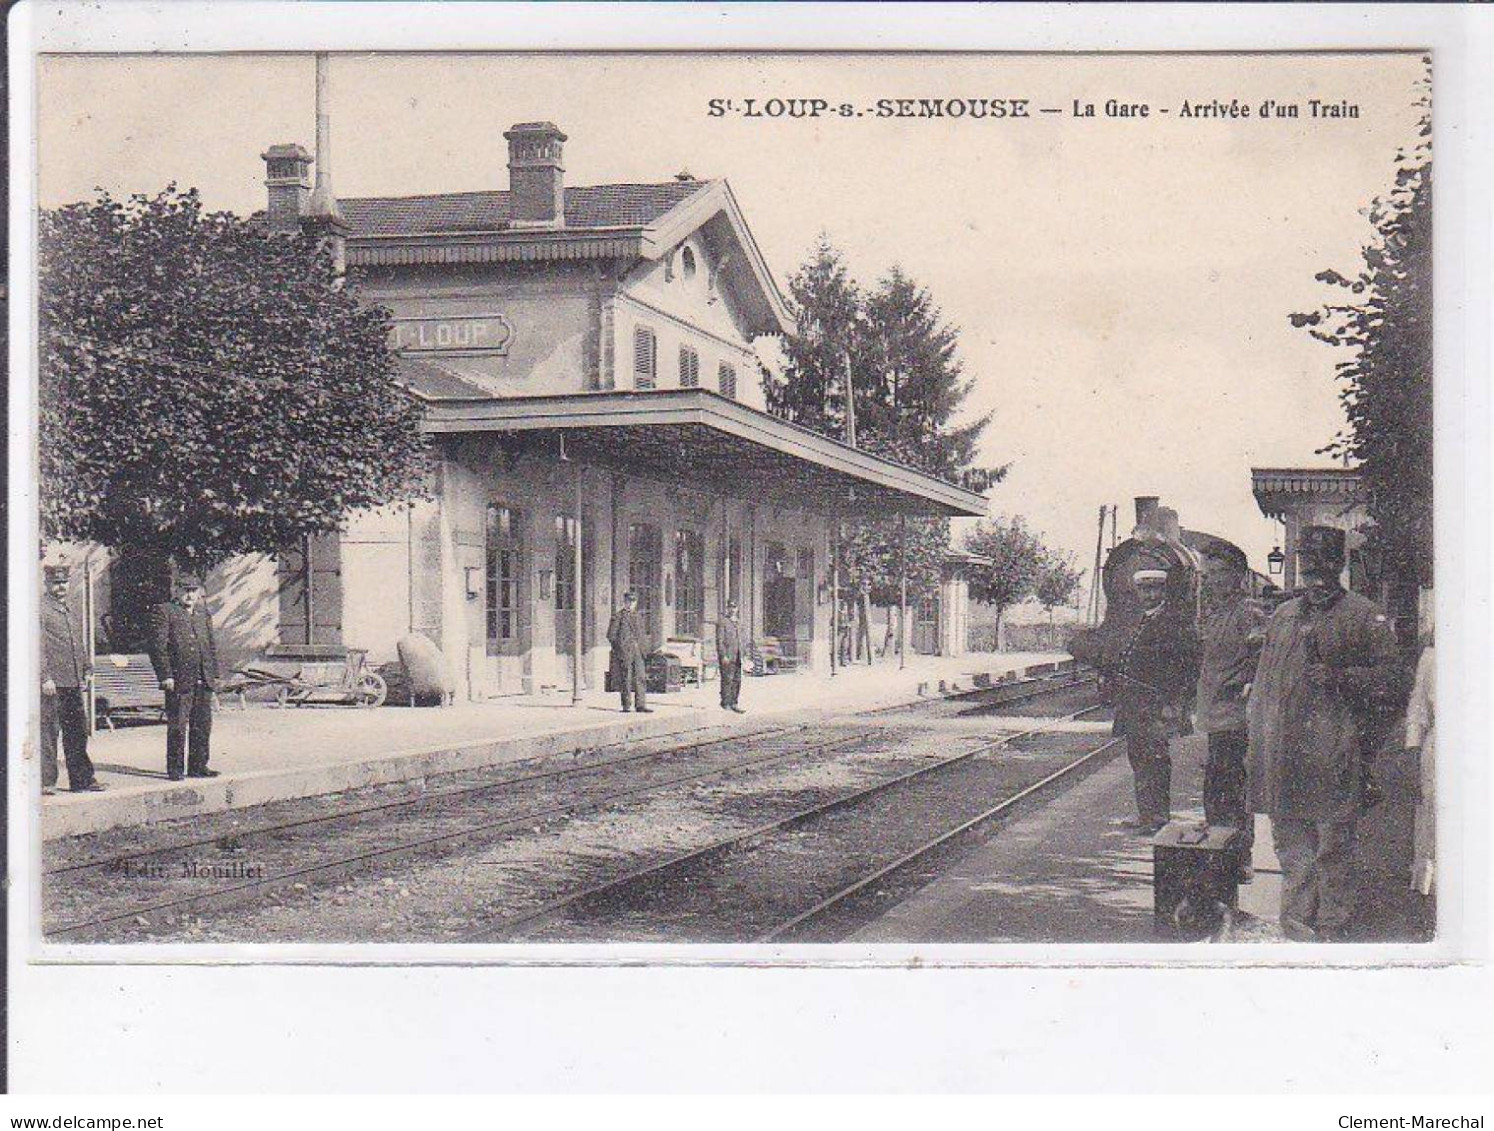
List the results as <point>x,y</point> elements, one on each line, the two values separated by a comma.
<point>1154,680</point>
<point>1233,629</point>
<point>626,635</point>
<point>65,667</point>
<point>185,657</point>
<point>729,659</point>
<point>1329,661</point>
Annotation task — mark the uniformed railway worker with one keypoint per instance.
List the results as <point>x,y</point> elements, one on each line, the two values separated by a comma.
<point>627,637</point>
<point>1233,629</point>
<point>1329,662</point>
<point>729,659</point>
<point>65,667</point>
<point>1153,681</point>
<point>185,655</point>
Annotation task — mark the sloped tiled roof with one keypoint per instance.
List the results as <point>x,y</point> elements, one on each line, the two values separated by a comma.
<point>433,382</point>
<point>586,206</point>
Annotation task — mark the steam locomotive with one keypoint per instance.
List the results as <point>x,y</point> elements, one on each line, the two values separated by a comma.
<point>1157,538</point>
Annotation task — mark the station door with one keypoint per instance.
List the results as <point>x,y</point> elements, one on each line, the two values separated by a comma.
<point>645,569</point>
<point>779,595</point>
<point>926,626</point>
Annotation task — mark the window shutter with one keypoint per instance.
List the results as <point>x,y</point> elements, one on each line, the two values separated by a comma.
<point>689,368</point>
<point>726,378</point>
<point>644,351</point>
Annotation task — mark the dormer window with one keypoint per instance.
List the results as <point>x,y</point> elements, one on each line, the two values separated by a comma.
<point>687,263</point>
<point>689,368</point>
<point>645,358</point>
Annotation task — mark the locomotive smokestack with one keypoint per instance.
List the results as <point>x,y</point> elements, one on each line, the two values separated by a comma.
<point>1146,510</point>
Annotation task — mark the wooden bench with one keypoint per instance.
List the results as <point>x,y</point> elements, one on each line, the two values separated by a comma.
<point>690,652</point>
<point>126,685</point>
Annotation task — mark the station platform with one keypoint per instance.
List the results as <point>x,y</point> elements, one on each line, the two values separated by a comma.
<point>267,754</point>
<point>1066,872</point>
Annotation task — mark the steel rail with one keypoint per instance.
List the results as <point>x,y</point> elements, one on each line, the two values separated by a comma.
<point>506,925</point>
<point>942,839</point>
<point>429,797</point>
<point>347,865</point>
<point>425,797</point>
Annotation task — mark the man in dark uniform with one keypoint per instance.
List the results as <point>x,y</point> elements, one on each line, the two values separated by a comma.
<point>65,667</point>
<point>627,637</point>
<point>185,657</point>
<point>1153,681</point>
<point>729,659</point>
<point>1329,662</point>
<point>1233,629</point>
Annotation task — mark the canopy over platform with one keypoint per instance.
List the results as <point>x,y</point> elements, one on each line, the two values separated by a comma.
<point>1279,490</point>
<point>697,438</point>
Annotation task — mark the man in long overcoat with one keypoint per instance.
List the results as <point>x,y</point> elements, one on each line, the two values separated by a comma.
<point>729,658</point>
<point>185,656</point>
<point>65,667</point>
<point>1329,662</point>
<point>628,638</point>
<point>1153,680</point>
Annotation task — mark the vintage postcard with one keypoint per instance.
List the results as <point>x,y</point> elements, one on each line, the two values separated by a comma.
<point>840,525</point>
<point>501,503</point>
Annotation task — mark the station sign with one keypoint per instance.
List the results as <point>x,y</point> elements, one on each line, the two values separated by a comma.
<point>454,333</point>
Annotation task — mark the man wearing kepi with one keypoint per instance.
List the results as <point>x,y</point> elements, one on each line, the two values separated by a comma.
<point>626,636</point>
<point>65,666</point>
<point>185,657</point>
<point>729,659</point>
<point>1154,679</point>
<point>1329,661</point>
<point>1233,629</point>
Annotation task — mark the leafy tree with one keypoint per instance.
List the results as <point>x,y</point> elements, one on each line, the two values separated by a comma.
<point>1058,581</point>
<point>1384,323</point>
<point>1018,561</point>
<point>206,387</point>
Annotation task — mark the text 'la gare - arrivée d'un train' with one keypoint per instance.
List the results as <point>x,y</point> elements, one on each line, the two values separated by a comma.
<point>1013,109</point>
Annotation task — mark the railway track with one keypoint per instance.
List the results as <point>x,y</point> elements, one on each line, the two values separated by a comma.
<point>316,849</point>
<point>768,883</point>
<point>87,899</point>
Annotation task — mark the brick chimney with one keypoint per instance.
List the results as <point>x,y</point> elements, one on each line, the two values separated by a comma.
<point>536,177</point>
<point>288,179</point>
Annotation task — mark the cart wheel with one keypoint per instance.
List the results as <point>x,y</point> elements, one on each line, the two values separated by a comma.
<point>282,696</point>
<point>372,690</point>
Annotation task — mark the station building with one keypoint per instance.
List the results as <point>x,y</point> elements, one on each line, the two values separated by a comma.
<point>585,357</point>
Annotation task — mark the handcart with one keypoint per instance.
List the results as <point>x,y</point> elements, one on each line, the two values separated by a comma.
<point>320,674</point>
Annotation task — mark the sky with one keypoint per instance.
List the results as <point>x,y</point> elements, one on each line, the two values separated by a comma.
<point>1121,284</point>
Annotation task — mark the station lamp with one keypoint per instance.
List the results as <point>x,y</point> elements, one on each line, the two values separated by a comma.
<point>1276,561</point>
